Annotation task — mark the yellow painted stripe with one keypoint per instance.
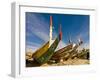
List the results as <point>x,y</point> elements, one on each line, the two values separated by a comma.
<point>41,50</point>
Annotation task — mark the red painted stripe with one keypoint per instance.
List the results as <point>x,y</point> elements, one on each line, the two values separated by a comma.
<point>50,20</point>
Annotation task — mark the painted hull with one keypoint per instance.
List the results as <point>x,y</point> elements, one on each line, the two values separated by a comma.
<point>41,51</point>
<point>64,53</point>
<point>61,52</point>
<point>49,53</point>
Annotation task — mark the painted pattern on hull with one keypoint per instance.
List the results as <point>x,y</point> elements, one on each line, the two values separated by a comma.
<point>41,51</point>
<point>49,53</point>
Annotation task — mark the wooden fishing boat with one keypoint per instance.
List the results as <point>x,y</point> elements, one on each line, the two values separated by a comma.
<point>43,54</point>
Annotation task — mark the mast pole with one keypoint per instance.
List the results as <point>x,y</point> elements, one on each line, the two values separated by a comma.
<point>50,41</point>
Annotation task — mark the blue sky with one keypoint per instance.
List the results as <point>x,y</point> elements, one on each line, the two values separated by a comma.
<point>37,28</point>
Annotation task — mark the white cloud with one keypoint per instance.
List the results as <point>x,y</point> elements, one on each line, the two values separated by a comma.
<point>38,26</point>
<point>31,48</point>
<point>41,34</point>
<point>32,44</point>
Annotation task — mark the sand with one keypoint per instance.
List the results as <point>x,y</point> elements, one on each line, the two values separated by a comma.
<point>69,62</point>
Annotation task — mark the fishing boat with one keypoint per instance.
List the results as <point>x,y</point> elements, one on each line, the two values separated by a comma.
<point>43,54</point>
<point>66,52</point>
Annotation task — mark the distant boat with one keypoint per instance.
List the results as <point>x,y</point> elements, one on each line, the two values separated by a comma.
<point>61,52</point>
<point>67,51</point>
